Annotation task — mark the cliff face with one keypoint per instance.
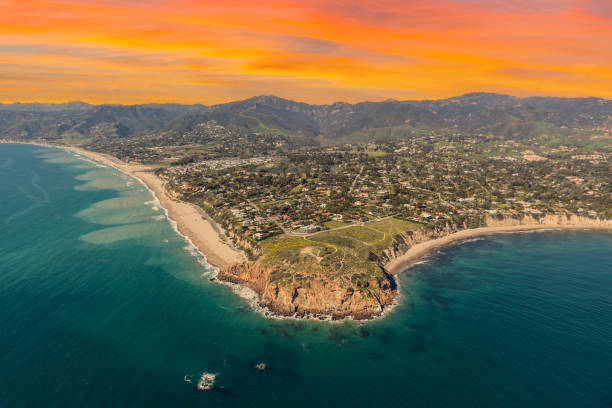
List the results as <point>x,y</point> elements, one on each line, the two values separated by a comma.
<point>404,241</point>
<point>322,297</point>
<point>243,243</point>
<point>551,220</point>
<point>334,297</point>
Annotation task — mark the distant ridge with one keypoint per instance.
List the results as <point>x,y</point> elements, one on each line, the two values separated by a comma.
<point>273,99</point>
<point>473,113</point>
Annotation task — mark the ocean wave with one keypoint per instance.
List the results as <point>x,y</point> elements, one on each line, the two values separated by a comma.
<point>534,231</point>
<point>465,241</point>
<point>192,250</point>
<point>413,264</point>
<point>88,160</point>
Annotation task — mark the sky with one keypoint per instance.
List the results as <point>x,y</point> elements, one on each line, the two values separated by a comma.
<point>316,51</point>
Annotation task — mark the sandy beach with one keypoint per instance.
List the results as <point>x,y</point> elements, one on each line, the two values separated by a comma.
<point>419,251</point>
<point>197,227</point>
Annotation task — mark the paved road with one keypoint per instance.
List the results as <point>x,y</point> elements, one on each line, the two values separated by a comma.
<point>354,224</point>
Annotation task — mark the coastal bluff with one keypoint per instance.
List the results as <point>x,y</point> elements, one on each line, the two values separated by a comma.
<point>322,298</point>
<point>333,298</point>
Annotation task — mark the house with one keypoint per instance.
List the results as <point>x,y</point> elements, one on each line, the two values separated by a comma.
<point>311,228</point>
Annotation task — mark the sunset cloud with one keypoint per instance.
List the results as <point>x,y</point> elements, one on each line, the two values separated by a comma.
<point>318,51</point>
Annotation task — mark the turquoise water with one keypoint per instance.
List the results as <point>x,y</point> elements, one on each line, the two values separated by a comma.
<point>102,304</point>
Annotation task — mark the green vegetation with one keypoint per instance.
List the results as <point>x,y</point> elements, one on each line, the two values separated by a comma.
<point>334,224</point>
<point>347,252</point>
<point>392,226</point>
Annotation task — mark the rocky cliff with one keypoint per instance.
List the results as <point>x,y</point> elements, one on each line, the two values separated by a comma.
<point>552,220</point>
<point>333,297</point>
<point>323,297</point>
<point>404,241</point>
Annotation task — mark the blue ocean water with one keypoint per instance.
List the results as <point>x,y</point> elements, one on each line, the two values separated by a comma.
<point>102,304</point>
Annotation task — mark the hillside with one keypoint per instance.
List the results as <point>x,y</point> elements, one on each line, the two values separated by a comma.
<point>300,123</point>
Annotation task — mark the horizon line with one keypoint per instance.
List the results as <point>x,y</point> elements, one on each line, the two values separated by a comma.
<point>474,93</point>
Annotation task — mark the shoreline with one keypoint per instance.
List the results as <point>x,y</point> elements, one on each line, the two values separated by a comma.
<point>186,218</point>
<point>419,251</point>
<point>198,230</point>
<point>209,239</point>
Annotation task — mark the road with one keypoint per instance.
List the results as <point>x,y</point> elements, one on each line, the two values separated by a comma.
<point>356,178</point>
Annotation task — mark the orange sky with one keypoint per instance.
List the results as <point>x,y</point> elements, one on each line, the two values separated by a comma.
<point>133,51</point>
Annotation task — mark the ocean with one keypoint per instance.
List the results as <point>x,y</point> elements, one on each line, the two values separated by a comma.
<point>103,304</point>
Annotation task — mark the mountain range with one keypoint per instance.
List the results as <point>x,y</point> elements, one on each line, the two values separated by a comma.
<point>474,114</point>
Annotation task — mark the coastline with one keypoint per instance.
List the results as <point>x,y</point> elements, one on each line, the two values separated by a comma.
<point>209,239</point>
<point>200,231</point>
<point>421,250</point>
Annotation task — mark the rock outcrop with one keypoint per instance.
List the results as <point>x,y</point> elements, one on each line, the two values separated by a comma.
<point>322,297</point>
